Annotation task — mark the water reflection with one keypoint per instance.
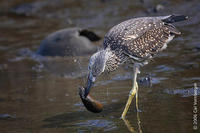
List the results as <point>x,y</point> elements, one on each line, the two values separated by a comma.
<point>131,127</point>
<point>99,123</point>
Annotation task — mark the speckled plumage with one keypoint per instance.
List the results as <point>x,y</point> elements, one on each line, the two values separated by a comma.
<point>137,39</point>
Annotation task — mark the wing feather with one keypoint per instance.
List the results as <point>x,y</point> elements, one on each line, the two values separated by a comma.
<point>140,37</point>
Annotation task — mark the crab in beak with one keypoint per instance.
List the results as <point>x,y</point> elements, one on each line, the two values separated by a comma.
<point>90,103</point>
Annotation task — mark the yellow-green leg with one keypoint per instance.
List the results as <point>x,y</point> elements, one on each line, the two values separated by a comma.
<point>136,98</point>
<point>133,92</point>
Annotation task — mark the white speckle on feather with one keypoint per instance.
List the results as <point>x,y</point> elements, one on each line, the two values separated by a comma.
<point>131,37</point>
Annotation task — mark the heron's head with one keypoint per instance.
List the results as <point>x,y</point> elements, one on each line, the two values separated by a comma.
<point>95,68</point>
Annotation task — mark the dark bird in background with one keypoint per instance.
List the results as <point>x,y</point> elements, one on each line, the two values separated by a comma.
<point>69,42</point>
<point>134,41</point>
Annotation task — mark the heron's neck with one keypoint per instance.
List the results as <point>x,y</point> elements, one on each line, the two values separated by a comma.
<point>98,61</point>
<point>111,60</point>
<point>106,56</point>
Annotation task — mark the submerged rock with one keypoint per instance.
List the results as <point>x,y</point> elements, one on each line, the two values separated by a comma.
<point>69,42</point>
<point>155,9</point>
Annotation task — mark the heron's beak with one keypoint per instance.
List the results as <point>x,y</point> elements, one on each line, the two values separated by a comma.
<point>90,103</point>
<point>90,81</point>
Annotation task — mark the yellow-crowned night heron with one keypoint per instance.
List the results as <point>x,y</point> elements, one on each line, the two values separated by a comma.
<point>136,40</point>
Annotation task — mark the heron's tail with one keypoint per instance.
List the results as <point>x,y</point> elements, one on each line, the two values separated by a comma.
<point>175,18</point>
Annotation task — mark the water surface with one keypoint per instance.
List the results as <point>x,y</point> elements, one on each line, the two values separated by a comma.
<point>40,94</point>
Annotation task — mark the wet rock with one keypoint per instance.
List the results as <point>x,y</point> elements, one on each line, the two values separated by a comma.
<point>155,9</point>
<point>159,7</point>
<point>146,81</point>
<point>69,42</point>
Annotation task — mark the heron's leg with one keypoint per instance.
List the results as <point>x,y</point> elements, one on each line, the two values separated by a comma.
<point>136,97</point>
<point>132,92</point>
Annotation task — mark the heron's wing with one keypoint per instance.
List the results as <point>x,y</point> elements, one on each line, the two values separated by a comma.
<point>132,28</point>
<point>151,42</point>
<point>140,37</point>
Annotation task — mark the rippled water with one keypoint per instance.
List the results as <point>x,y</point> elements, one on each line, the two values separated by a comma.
<point>40,94</point>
